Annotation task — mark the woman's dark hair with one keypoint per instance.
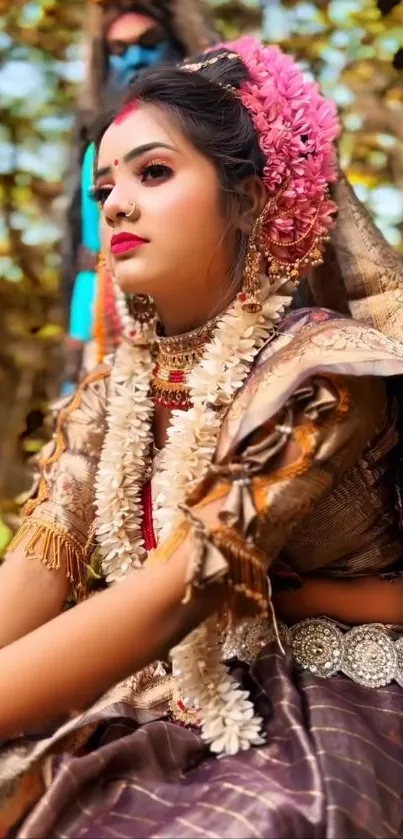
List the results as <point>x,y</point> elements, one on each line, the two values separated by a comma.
<point>210,115</point>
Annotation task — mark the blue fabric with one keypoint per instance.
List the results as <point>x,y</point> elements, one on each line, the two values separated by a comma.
<point>67,388</point>
<point>90,215</point>
<point>135,58</point>
<point>82,305</point>
<point>85,284</point>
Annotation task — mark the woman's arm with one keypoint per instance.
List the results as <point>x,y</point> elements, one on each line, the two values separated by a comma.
<point>30,595</point>
<point>73,659</point>
<point>48,556</point>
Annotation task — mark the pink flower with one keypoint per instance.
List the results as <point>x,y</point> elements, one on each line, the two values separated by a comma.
<point>296,127</point>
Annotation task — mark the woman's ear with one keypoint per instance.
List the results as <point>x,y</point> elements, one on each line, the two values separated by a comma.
<point>253,197</point>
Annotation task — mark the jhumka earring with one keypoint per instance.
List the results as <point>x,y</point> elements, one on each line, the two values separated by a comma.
<point>141,308</point>
<point>250,293</point>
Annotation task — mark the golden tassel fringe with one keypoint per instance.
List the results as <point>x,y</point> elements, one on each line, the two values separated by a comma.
<point>54,548</point>
<point>247,575</point>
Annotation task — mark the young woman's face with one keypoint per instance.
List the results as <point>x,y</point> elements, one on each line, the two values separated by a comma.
<point>174,243</point>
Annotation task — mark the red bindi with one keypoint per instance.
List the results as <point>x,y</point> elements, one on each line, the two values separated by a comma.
<point>116,162</point>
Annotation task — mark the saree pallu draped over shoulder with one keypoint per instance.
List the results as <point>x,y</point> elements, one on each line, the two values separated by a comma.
<point>332,763</point>
<point>310,342</point>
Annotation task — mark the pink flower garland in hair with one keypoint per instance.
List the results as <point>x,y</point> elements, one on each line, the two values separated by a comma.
<point>296,128</point>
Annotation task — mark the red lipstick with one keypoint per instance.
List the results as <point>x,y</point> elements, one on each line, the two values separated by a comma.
<point>125,242</point>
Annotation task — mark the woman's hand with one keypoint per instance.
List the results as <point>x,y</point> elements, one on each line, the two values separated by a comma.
<point>67,663</point>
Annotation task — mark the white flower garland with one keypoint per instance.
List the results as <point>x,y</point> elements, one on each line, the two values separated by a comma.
<point>229,722</point>
<point>227,715</point>
<point>123,462</point>
<point>192,435</point>
<point>126,319</point>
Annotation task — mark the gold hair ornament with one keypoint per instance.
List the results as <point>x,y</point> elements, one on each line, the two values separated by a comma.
<point>195,67</point>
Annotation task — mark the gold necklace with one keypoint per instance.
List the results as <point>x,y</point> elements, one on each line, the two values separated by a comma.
<point>175,358</point>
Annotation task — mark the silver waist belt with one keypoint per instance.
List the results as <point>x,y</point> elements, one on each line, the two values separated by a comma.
<point>370,654</point>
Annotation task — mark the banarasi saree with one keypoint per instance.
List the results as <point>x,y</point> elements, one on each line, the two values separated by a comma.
<point>332,764</point>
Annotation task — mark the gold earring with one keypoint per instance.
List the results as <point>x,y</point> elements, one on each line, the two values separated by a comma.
<point>134,212</point>
<point>141,308</point>
<point>249,295</point>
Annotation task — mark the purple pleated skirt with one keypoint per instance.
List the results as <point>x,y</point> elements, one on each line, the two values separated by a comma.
<point>332,767</point>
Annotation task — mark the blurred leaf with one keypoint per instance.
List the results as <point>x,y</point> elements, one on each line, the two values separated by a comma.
<point>50,331</point>
<point>5,535</point>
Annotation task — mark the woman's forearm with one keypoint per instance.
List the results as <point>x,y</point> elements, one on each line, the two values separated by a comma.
<point>30,595</point>
<point>70,661</point>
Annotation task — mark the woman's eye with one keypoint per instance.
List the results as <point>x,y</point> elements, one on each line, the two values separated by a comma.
<point>101,194</point>
<point>155,173</point>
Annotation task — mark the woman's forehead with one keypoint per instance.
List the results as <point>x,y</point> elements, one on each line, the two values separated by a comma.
<point>140,125</point>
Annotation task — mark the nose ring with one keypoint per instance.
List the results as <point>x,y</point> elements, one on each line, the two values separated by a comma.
<point>134,212</point>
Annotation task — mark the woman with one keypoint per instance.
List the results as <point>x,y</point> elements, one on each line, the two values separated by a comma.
<point>122,37</point>
<point>251,443</point>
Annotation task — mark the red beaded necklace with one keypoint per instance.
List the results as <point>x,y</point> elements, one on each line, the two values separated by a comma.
<point>147,524</point>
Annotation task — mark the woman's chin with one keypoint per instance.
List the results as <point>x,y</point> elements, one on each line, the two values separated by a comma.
<point>128,280</point>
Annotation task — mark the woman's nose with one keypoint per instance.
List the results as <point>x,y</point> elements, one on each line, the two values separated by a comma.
<point>116,208</point>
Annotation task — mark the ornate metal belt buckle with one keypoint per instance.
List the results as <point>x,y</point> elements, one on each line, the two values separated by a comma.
<point>369,656</point>
<point>366,654</point>
<point>247,639</point>
<point>317,645</point>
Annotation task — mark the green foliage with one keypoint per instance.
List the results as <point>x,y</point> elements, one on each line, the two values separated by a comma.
<point>38,88</point>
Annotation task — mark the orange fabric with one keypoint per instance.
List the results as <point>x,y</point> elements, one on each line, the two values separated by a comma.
<point>99,320</point>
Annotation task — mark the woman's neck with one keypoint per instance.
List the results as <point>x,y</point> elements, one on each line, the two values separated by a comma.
<point>176,356</point>
<point>184,314</point>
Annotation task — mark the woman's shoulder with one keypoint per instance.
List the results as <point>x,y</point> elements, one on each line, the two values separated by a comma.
<point>323,336</point>
<point>79,419</point>
<point>313,341</point>
<point>311,344</point>
<point>92,391</point>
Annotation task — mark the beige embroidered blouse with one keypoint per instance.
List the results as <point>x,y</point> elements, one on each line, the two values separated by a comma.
<point>343,437</point>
